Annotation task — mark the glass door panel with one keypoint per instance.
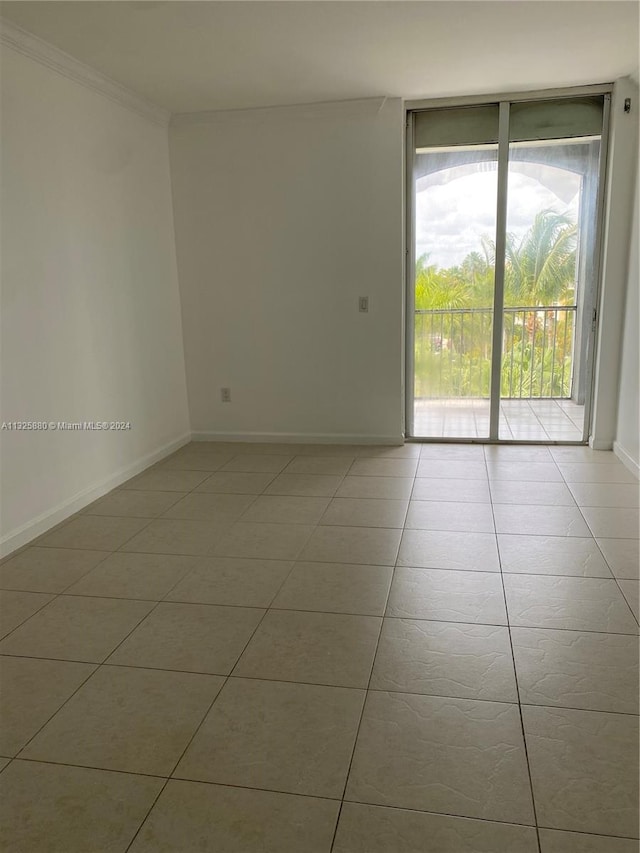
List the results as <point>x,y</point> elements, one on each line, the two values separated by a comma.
<point>455,191</point>
<point>504,351</point>
<point>549,287</point>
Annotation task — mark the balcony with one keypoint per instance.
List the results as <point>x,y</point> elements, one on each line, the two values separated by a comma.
<point>453,373</point>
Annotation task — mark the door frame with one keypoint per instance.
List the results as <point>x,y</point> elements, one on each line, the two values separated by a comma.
<point>504,100</point>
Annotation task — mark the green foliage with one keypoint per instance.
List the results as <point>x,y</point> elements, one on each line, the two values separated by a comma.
<point>453,335</point>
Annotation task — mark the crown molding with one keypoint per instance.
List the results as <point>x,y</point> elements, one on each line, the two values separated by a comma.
<point>322,109</point>
<point>46,54</point>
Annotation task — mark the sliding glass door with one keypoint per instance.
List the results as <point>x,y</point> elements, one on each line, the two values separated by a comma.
<point>503,269</point>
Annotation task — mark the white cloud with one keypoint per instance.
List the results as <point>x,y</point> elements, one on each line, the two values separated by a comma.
<point>453,215</point>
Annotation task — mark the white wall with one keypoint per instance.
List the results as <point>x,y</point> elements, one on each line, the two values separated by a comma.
<point>621,172</point>
<point>90,303</point>
<point>627,444</point>
<point>284,218</point>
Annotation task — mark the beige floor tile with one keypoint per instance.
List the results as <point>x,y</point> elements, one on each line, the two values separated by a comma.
<point>163,479</point>
<point>606,494</point>
<point>630,592</point>
<point>538,520</point>
<point>74,628</point>
<point>243,447</point>
<point>192,816</point>
<point>286,509</point>
<point>440,739</point>
<point>387,488</point>
<point>190,638</point>
<point>447,596</point>
<point>365,512</point>
<point>583,454</point>
<point>349,450</point>
<point>257,463</point>
<point>45,807</point>
<point>364,467</point>
<point>613,522</point>
<point>451,452</point>
<point>460,491</point>
<point>16,607</point>
<point>136,720</point>
<point>443,549</point>
<point>454,756</point>
<point>551,555</point>
<point>293,738</point>
<point>316,648</point>
<point>445,659</point>
<point>263,541</point>
<point>209,506</point>
<point>366,545</point>
<point>375,829</point>
<point>305,485</point>
<point>197,460</point>
<point>450,515</point>
<point>590,472</point>
<point>529,472</point>
<point>523,454</point>
<point>128,575</point>
<point>336,588</point>
<point>47,569</point>
<point>557,841</point>
<point>3,764</point>
<point>387,451</point>
<point>232,580</point>
<point>178,536</point>
<point>100,533</point>
<point>584,769</point>
<point>32,691</point>
<point>236,483</point>
<point>518,492</point>
<point>575,669</point>
<point>131,503</point>
<point>623,557</point>
<point>320,465</point>
<point>580,604</point>
<point>452,470</point>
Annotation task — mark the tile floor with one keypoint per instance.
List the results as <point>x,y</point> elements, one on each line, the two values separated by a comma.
<point>520,420</point>
<point>306,649</point>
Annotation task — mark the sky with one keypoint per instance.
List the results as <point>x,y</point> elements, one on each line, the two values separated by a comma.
<point>453,213</point>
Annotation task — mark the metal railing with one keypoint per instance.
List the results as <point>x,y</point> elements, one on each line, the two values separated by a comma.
<point>453,352</point>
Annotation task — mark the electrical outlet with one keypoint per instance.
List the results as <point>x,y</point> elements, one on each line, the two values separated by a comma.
<point>363,304</point>
<point>225,395</point>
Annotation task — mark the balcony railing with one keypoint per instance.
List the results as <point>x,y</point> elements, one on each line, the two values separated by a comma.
<point>453,352</point>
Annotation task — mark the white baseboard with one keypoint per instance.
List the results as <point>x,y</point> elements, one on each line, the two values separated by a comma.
<point>627,459</point>
<point>298,437</point>
<point>23,535</point>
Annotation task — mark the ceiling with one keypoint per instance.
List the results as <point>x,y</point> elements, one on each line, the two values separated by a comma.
<point>194,56</point>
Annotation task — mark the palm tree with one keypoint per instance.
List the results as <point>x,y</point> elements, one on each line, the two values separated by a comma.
<point>539,271</point>
<point>438,289</point>
<point>541,268</point>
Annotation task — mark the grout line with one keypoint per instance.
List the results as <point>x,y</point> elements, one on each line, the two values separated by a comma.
<point>314,797</point>
<point>96,667</point>
<point>26,619</point>
<point>368,687</point>
<point>597,544</point>
<point>515,674</point>
<point>358,688</point>
<point>195,732</point>
<point>86,767</point>
<point>156,602</point>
